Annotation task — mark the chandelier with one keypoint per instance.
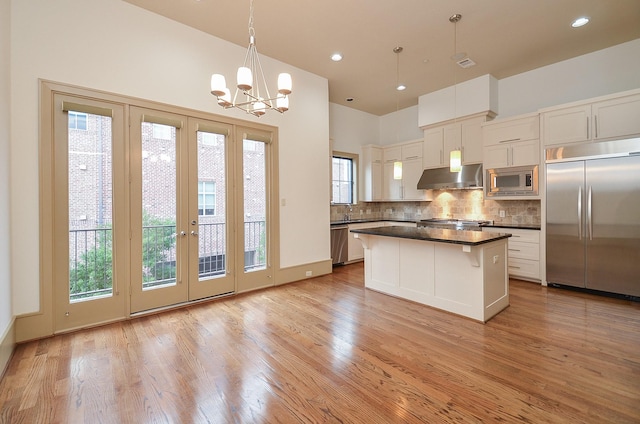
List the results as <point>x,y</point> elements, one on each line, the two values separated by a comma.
<point>252,95</point>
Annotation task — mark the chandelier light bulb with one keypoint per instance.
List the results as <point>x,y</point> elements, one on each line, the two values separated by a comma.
<point>218,84</point>
<point>225,99</point>
<point>259,108</point>
<point>282,103</point>
<point>284,83</point>
<point>245,78</point>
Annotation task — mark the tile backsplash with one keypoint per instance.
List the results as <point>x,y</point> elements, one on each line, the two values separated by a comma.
<point>458,204</point>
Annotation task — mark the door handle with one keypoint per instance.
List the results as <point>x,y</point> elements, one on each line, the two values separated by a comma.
<point>182,233</point>
<point>194,233</point>
<point>579,213</point>
<point>589,220</point>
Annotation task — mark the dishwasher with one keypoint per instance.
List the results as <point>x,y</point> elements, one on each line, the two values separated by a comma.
<point>339,249</point>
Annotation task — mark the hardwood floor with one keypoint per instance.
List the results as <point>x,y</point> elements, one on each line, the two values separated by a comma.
<point>328,350</point>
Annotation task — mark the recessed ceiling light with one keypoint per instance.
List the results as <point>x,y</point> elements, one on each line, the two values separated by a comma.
<point>580,22</point>
<point>336,57</point>
<point>401,87</point>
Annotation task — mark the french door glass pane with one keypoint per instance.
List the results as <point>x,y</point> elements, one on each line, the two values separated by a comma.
<point>255,205</point>
<point>90,207</point>
<point>159,194</point>
<point>212,243</point>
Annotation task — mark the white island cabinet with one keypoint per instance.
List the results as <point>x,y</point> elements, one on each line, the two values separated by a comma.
<point>463,272</point>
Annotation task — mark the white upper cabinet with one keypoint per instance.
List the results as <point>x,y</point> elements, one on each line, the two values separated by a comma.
<point>371,174</point>
<point>402,169</point>
<point>610,118</point>
<point>511,142</point>
<point>463,134</point>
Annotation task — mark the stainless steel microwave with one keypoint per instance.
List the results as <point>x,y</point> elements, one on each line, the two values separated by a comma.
<point>513,181</point>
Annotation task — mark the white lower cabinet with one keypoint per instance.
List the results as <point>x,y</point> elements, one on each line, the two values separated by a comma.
<point>524,252</point>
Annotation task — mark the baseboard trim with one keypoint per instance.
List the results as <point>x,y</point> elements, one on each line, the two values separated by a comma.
<point>300,272</point>
<point>7,346</point>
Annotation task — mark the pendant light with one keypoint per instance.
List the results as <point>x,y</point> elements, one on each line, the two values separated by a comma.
<point>455,157</point>
<point>397,166</point>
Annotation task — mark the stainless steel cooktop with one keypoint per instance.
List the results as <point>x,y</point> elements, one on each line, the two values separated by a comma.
<point>454,224</point>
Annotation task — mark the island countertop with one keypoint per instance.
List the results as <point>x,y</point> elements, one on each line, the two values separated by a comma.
<point>468,238</point>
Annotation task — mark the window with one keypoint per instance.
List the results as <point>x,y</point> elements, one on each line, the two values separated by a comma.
<point>206,198</point>
<point>77,121</point>
<point>163,132</point>
<point>343,180</point>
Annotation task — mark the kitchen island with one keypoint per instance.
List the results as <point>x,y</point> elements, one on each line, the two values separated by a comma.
<point>463,272</point>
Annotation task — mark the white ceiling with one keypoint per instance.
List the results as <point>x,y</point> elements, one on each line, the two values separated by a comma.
<point>503,37</point>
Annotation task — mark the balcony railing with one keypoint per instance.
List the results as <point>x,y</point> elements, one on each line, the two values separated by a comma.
<point>91,259</point>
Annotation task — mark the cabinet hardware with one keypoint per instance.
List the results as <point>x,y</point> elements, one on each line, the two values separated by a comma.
<point>514,250</point>
<point>595,124</point>
<point>587,127</point>
<point>510,140</point>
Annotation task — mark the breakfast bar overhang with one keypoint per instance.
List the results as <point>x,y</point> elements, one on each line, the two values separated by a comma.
<point>462,272</point>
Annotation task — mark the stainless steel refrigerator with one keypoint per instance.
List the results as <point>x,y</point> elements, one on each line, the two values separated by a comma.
<point>593,216</point>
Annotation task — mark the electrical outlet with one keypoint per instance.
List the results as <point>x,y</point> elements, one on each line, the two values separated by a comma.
<point>502,214</point>
<point>309,273</point>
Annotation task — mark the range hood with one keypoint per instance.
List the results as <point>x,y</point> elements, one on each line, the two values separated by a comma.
<point>442,178</point>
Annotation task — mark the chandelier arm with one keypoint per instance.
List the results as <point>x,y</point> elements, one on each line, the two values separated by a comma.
<point>264,83</point>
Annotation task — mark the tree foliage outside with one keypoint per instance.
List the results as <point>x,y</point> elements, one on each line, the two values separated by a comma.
<point>92,274</point>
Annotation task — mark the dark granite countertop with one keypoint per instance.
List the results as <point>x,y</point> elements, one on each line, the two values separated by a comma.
<point>514,226</point>
<point>469,238</point>
<point>358,221</point>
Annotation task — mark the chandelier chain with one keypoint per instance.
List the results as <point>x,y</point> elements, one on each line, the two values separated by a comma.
<point>252,31</point>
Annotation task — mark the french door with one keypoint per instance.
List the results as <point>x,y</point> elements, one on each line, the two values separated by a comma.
<point>152,209</point>
<point>89,212</point>
<point>254,151</point>
<point>181,236</point>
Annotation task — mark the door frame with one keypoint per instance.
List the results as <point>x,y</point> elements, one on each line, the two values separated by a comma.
<point>40,323</point>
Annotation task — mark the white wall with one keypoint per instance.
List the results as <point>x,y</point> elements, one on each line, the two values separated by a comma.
<point>394,129</point>
<point>349,128</point>
<point>5,227</point>
<point>595,74</point>
<point>113,46</point>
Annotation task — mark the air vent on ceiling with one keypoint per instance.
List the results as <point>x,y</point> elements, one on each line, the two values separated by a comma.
<point>466,63</point>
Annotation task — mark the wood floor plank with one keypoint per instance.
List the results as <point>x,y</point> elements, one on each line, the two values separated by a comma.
<point>328,350</point>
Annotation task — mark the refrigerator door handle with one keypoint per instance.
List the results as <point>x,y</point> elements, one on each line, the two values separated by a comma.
<point>589,220</point>
<point>579,213</point>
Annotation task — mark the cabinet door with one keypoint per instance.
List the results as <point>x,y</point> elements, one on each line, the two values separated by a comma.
<point>411,173</point>
<point>617,117</point>
<point>371,174</point>
<point>432,148</point>
<point>376,181</point>
<point>511,130</point>
<point>392,154</point>
<point>412,151</point>
<point>391,188</point>
<point>568,125</point>
<point>471,133</point>
<point>496,156</point>
<point>525,153</point>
